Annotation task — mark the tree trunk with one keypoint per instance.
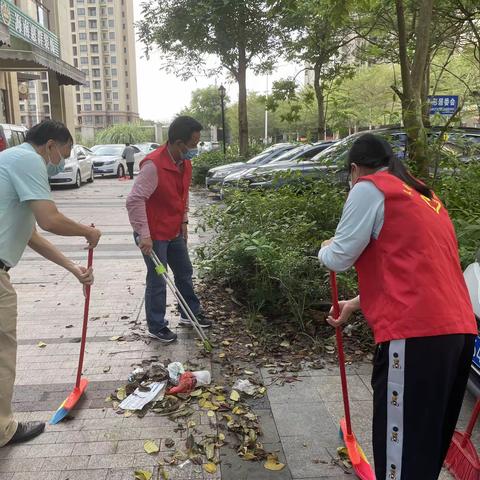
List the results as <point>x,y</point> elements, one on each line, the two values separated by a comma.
<point>242,103</point>
<point>317,85</point>
<point>413,82</point>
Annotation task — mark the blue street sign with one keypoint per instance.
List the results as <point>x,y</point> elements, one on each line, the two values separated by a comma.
<point>443,104</point>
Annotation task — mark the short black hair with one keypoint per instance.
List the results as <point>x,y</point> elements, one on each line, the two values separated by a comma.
<point>182,129</point>
<point>47,130</point>
<point>127,144</point>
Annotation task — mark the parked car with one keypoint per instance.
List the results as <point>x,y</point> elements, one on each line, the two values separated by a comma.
<point>215,176</point>
<point>208,146</point>
<point>146,148</point>
<point>11,135</point>
<point>78,168</point>
<point>472,279</point>
<point>296,155</point>
<point>108,159</point>
<point>333,159</point>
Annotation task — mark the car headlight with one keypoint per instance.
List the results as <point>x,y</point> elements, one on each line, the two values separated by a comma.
<point>220,174</point>
<point>68,169</point>
<point>109,162</point>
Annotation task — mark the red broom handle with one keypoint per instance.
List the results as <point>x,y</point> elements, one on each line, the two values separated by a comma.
<point>471,423</point>
<point>341,354</point>
<point>85,322</point>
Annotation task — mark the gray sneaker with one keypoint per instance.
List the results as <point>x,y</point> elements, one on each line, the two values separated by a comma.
<point>165,335</point>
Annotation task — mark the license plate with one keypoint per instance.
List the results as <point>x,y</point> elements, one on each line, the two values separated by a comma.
<point>476,353</point>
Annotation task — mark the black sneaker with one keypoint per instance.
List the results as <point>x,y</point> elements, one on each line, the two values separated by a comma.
<point>202,321</point>
<point>26,431</point>
<point>165,335</point>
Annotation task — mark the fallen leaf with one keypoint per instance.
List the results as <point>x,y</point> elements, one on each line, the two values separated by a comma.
<point>142,475</point>
<point>150,447</point>
<point>285,344</point>
<point>221,355</point>
<point>163,474</point>
<point>115,338</point>
<point>41,345</point>
<point>210,451</point>
<point>191,424</point>
<point>106,369</point>
<point>196,393</point>
<point>210,467</point>
<point>272,463</point>
<point>221,437</point>
<point>121,393</point>
<point>234,396</point>
<point>210,413</point>
<point>249,372</point>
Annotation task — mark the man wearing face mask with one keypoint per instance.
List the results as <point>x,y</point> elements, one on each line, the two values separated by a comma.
<point>158,212</point>
<point>25,198</point>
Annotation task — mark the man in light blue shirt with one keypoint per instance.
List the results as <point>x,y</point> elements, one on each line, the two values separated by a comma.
<point>25,199</point>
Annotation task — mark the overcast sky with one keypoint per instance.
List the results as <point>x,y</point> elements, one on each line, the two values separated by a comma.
<point>161,96</point>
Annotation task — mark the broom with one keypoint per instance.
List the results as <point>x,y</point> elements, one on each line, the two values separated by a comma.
<point>462,459</point>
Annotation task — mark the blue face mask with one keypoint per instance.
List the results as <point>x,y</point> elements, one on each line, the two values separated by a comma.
<point>53,169</point>
<point>190,153</point>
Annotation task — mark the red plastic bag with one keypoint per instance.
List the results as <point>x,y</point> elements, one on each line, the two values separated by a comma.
<point>186,384</point>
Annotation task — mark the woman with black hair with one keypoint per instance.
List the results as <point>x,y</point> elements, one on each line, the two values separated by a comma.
<point>398,235</point>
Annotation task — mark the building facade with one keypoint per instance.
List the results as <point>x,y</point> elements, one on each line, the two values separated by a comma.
<point>103,48</point>
<point>36,64</point>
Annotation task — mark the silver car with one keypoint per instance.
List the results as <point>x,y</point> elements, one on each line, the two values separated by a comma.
<point>109,161</point>
<point>78,168</point>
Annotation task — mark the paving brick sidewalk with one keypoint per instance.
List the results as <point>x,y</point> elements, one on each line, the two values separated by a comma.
<point>98,443</point>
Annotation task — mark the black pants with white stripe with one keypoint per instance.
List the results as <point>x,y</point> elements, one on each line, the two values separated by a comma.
<point>418,385</point>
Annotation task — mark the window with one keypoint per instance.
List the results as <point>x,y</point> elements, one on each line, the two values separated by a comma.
<point>86,95</point>
<point>87,107</point>
<point>106,71</point>
<point>112,47</point>
<point>104,24</point>
<point>82,36</point>
<point>114,72</point>
<point>108,95</point>
<point>87,84</point>
<point>46,108</point>
<point>126,63</point>
<point>79,109</point>
<point>111,23</point>
<point>104,36</point>
<point>44,87</point>
<point>71,4</point>
<point>114,84</point>
<point>72,27</point>
<point>87,120</point>
<point>116,107</point>
<point>110,10</point>
<point>92,24</point>
<point>45,98</point>
<point>81,12</point>
<point>97,96</point>
<point>93,36</point>
<point>95,72</point>
<point>74,39</point>
<point>75,62</point>
<point>125,50</point>
<point>83,48</point>
<point>78,98</point>
<point>105,48</point>
<point>112,35</point>
<point>84,60</point>
<point>92,11</point>
<point>98,107</point>
<point>79,120</point>
<point>114,60</point>
<point>97,84</point>
<point>103,11</point>
<point>75,51</point>
<point>72,15</point>
<point>107,83</point>
<point>99,120</point>
<point>115,95</point>
<point>82,24</point>
<point>85,71</point>
<point>22,107</point>
<point>128,96</point>
<point>95,60</point>
<point>109,106</point>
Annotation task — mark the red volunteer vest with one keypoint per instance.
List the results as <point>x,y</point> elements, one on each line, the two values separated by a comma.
<point>410,280</point>
<point>167,205</point>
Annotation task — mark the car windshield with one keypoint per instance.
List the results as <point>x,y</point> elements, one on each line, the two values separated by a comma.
<point>258,157</point>
<point>108,149</point>
<point>289,154</point>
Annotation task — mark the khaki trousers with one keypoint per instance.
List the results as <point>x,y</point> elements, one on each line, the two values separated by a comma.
<point>8,356</point>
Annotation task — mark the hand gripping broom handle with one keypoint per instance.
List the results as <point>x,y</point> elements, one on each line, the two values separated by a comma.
<point>85,322</point>
<point>341,354</point>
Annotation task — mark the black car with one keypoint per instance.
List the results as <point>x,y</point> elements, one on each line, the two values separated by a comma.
<point>458,144</point>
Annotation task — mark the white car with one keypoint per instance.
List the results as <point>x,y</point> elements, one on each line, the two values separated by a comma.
<point>78,168</point>
<point>108,159</point>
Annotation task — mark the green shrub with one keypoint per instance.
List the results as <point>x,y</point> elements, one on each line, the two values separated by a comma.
<point>202,163</point>
<point>266,243</point>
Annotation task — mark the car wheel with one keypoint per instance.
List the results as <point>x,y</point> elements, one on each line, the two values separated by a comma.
<point>90,180</point>
<point>78,180</point>
<point>120,171</point>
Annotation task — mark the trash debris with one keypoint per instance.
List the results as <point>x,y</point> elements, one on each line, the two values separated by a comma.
<point>139,398</point>
<point>186,384</point>
<point>272,463</point>
<point>143,475</point>
<point>203,377</point>
<point>244,386</point>
<point>175,369</point>
<point>151,447</point>
<point>136,374</point>
<point>41,345</point>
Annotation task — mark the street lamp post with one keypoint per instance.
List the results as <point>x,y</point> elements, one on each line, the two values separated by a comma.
<point>221,91</point>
